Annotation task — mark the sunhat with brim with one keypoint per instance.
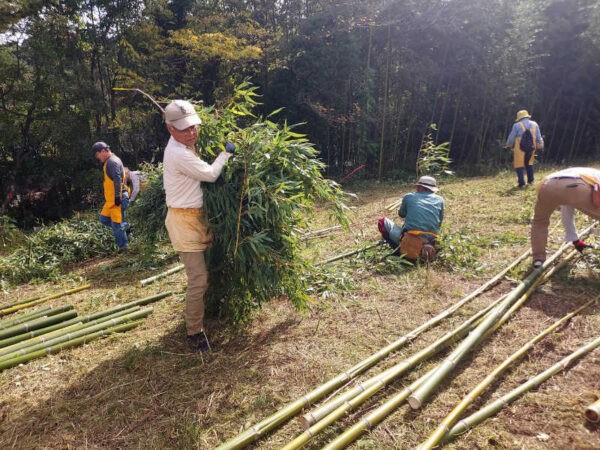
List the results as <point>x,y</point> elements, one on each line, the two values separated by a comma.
<point>428,183</point>
<point>181,114</point>
<point>522,114</point>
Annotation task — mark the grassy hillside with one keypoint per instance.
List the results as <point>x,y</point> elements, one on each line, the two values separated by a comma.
<point>143,389</point>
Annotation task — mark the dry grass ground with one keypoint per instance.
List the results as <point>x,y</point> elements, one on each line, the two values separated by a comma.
<point>143,389</point>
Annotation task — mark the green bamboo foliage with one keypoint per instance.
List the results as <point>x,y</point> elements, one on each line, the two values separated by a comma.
<point>257,431</point>
<point>256,209</point>
<point>44,334</point>
<point>19,306</point>
<point>435,437</point>
<point>6,364</point>
<point>592,412</point>
<point>77,332</point>
<point>492,408</point>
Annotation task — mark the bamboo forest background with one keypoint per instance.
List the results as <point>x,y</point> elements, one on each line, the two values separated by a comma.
<point>365,78</point>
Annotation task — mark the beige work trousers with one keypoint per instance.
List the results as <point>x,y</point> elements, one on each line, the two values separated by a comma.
<point>190,237</point>
<point>552,193</point>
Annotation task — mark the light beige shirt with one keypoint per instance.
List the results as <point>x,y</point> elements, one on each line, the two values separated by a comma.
<point>183,171</point>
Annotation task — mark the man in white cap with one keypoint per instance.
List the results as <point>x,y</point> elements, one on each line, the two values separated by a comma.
<point>525,139</point>
<point>183,172</point>
<point>423,213</point>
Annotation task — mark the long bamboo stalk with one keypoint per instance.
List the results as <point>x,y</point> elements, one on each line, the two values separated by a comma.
<point>398,369</point>
<point>257,431</point>
<point>12,309</point>
<point>376,416</point>
<point>72,343</point>
<point>164,274</point>
<point>492,408</point>
<point>345,255</point>
<point>437,435</point>
<point>43,334</point>
<point>392,404</point>
<point>320,233</point>
<point>34,324</point>
<point>443,371</point>
<point>592,412</point>
<point>78,332</point>
<point>47,311</point>
<point>19,302</point>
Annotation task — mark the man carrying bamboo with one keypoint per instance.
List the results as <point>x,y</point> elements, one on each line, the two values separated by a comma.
<point>183,172</point>
<point>572,188</point>
<point>423,212</point>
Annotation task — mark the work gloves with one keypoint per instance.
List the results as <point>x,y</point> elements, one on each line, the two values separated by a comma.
<point>230,148</point>
<point>580,245</point>
<point>117,200</point>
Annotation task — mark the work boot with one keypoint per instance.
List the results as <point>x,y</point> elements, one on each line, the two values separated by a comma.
<point>198,342</point>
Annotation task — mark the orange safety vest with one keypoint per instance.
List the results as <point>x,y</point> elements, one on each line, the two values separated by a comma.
<point>518,154</point>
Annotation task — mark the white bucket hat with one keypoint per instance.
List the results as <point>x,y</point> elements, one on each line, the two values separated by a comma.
<point>181,114</point>
<point>428,183</point>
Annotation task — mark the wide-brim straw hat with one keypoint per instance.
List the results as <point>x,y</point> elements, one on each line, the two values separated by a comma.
<point>522,114</point>
<point>428,183</point>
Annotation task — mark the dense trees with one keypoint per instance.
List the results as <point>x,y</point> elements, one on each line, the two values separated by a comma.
<point>367,77</point>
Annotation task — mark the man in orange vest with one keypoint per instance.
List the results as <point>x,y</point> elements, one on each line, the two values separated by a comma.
<point>116,198</point>
<point>523,158</point>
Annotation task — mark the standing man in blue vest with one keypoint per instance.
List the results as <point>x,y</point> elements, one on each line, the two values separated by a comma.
<point>523,158</point>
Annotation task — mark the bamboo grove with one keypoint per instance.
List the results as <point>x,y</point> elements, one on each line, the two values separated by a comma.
<point>365,78</point>
<point>348,394</point>
<point>48,330</point>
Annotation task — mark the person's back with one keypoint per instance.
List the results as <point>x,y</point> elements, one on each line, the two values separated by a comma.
<point>423,211</point>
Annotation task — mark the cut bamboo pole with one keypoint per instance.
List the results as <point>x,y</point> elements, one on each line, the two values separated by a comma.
<point>345,255</point>
<point>12,309</point>
<point>394,205</point>
<point>78,332</point>
<point>444,370</point>
<point>592,413</point>
<point>72,343</point>
<point>398,369</point>
<point>392,404</point>
<point>34,324</point>
<point>44,334</point>
<point>492,408</point>
<point>19,302</point>
<point>320,233</point>
<point>164,274</point>
<point>257,431</point>
<point>47,311</point>
<point>437,435</point>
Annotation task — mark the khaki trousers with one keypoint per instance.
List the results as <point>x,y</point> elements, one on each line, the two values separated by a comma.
<point>190,236</point>
<point>552,193</point>
<point>197,284</point>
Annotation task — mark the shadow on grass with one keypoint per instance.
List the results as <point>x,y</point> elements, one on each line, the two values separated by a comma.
<point>158,396</point>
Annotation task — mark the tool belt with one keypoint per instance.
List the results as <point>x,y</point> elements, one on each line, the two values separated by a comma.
<point>414,245</point>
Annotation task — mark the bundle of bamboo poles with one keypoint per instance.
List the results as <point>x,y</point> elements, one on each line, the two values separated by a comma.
<point>492,317</point>
<point>29,338</point>
<point>439,433</point>
<point>379,414</point>
<point>267,425</point>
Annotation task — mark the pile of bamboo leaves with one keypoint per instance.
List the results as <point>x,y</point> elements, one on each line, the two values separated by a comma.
<point>47,330</point>
<point>256,209</point>
<point>463,340</point>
